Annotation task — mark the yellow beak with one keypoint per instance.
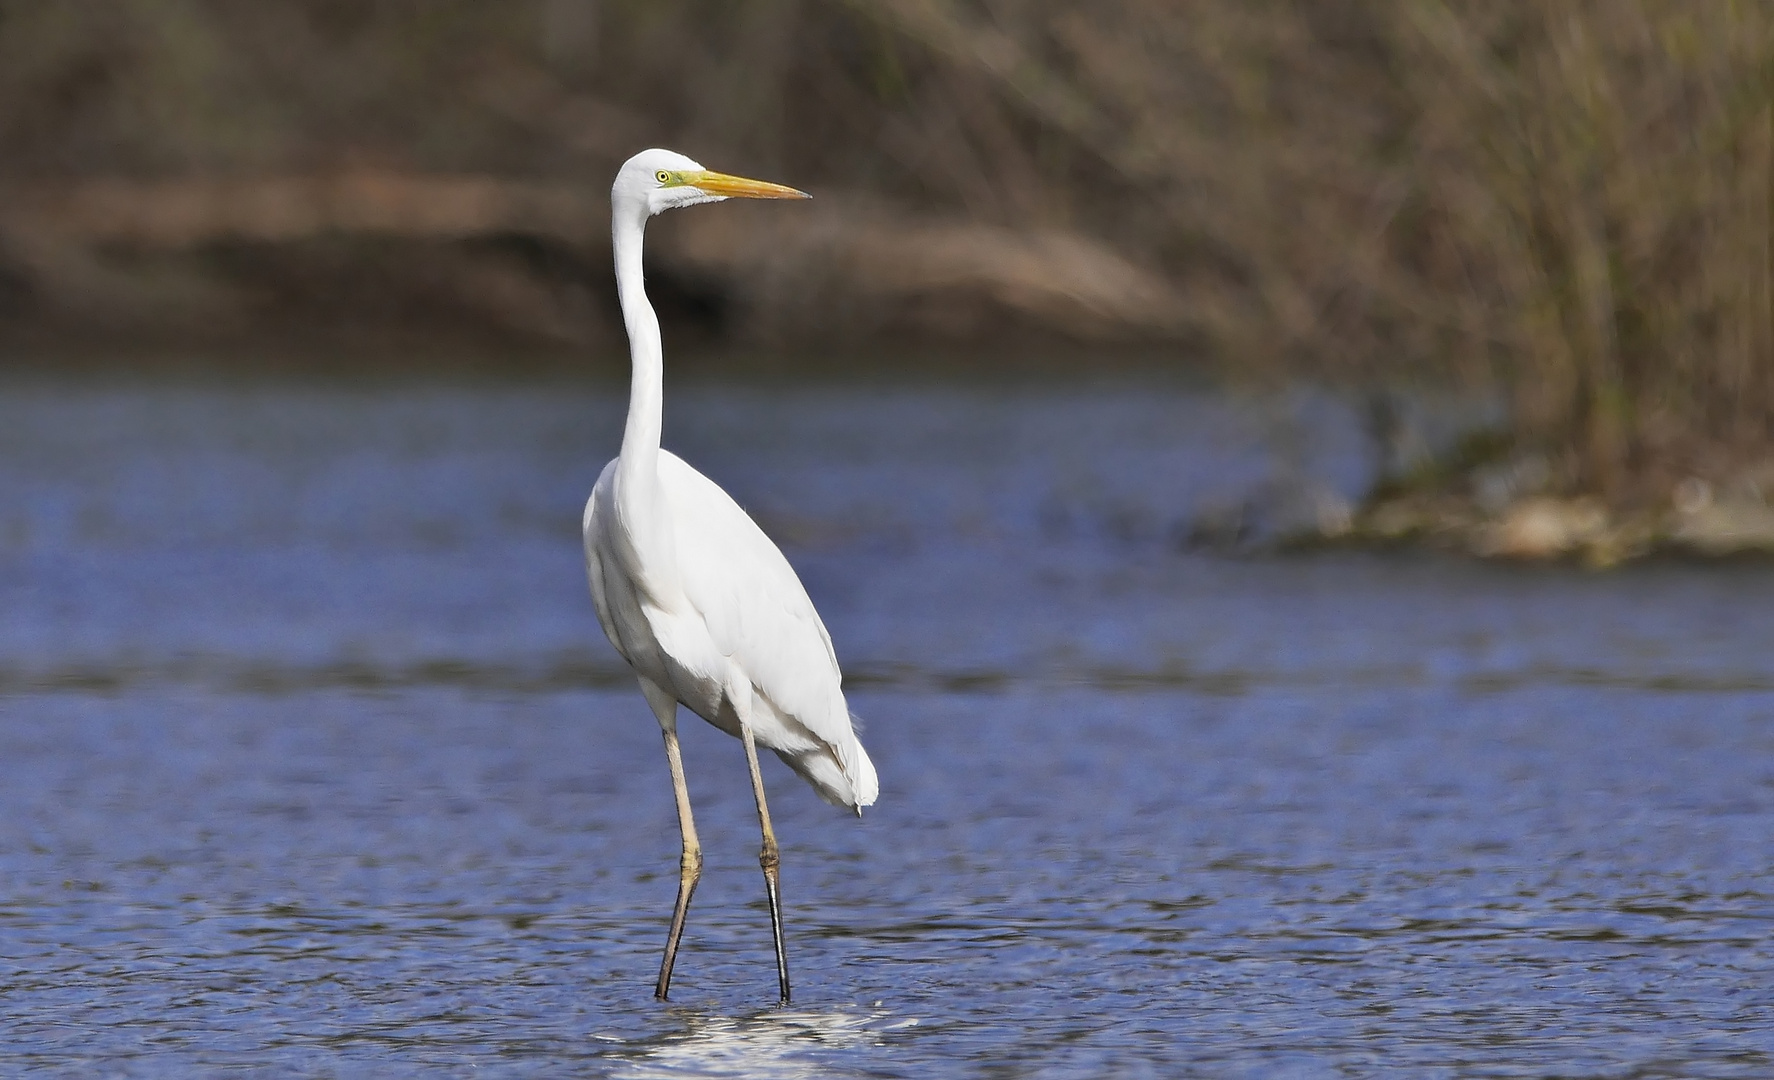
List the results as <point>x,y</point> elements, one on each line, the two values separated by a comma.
<point>737,187</point>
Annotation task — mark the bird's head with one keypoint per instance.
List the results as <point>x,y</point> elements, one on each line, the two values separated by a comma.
<point>658,180</point>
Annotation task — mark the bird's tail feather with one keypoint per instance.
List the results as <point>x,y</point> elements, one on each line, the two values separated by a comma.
<point>864,784</point>
<point>843,776</point>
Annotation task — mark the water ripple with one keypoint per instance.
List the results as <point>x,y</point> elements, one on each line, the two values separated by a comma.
<point>312,761</point>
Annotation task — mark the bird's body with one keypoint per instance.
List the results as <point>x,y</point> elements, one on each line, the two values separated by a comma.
<point>691,592</point>
<point>722,610</point>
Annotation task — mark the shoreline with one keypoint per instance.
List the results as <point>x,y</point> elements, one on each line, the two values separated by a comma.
<point>1700,523</point>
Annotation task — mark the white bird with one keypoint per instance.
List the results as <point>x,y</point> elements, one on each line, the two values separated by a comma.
<point>692,593</point>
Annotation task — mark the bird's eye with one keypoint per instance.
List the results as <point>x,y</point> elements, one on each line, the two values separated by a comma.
<point>662,176</point>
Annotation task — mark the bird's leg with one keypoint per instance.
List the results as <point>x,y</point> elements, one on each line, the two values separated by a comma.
<point>689,866</point>
<point>665,707</point>
<point>769,858</point>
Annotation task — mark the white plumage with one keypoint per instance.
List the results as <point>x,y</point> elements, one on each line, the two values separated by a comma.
<point>691,592</point>
<point>732,613</point>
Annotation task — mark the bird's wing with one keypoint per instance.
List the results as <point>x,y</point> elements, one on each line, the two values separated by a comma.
<point>594,569</point>
<point>756,609</point>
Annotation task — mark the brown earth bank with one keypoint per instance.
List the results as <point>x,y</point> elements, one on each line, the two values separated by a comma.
<point>1490,496</point>
<point>1696,521</point>
<point>403,256</point>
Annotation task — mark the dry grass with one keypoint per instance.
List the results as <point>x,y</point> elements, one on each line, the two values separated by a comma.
<point>1568,203</point>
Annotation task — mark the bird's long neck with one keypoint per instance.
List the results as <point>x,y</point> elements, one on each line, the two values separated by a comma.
<point>640,439</point>
<point>637,467</point>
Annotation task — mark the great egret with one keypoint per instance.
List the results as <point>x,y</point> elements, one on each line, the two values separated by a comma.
<point>692,593</point>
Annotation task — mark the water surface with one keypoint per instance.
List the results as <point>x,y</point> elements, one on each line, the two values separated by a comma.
<point>313,760</point>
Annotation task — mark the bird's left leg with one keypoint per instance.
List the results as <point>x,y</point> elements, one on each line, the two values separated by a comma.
<point>770,858</point>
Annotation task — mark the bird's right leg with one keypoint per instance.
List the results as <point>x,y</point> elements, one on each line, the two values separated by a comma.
<point>665,707</point>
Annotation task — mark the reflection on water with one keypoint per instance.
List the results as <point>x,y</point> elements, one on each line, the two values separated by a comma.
<point>313,761</point>
<point>785,1043</point>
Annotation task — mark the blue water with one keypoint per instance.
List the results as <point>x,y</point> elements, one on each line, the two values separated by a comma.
<point>314,762</point>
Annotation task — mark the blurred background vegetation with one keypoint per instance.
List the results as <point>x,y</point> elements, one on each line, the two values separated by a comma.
<point>1566,206</point>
